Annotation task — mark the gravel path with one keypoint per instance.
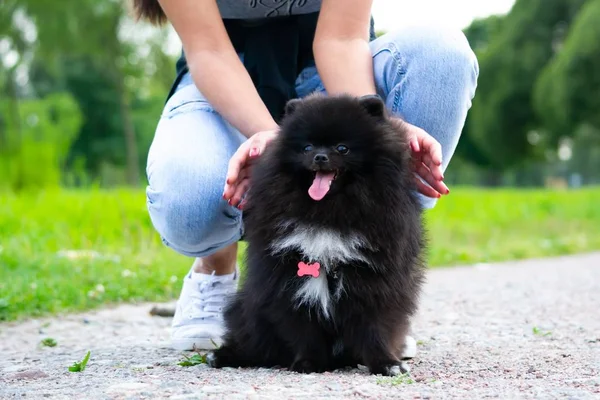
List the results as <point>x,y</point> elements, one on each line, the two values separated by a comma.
<point>520,330</point>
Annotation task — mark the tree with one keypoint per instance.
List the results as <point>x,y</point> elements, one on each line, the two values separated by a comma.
<point>502,113</point>
<point>482,31</point>
<point>479,34</point>
<point>567,93</point>
<point>63,33</point>
<point>86,51</point>
<point>100,139</point>
<point>37,141</point>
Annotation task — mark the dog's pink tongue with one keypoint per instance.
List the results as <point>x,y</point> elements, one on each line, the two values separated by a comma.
<point>320,185</point>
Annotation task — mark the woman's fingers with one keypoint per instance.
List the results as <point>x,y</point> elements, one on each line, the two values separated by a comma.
<point>414,145</point>
<point>425,189</point>
<point>239,192</point>
<point>432,148</point>
<point>237,162</point>
<point>436,169</point>
<point>426,150</point>
<point>231,189</point>
<point>250,149</point>
<point>425,173</point>
<point>242,159</point>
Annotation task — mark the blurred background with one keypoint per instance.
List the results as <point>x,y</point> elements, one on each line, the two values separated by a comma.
<point>82,86</point>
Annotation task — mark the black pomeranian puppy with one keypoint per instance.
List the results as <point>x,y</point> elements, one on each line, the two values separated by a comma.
<point>335,239</point>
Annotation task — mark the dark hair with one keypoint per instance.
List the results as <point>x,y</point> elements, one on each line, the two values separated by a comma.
<point>149,10</point>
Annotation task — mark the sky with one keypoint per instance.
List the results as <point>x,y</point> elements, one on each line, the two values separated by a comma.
<point>390,14</point>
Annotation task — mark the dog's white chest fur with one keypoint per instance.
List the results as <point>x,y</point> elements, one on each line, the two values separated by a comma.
<point>328,248</point>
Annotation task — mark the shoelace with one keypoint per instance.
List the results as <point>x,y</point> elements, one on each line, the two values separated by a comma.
<point>208,301</point>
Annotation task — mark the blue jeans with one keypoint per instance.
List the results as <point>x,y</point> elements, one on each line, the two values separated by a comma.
<point>426,75</point>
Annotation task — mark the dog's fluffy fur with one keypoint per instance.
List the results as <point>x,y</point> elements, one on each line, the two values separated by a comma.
<point>366,233</point>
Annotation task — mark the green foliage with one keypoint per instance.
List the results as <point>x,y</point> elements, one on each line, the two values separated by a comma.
<point>479,34</point>
<point>482,31</point>
<point>48,342</point>
<point>502,113</point>
<point>93,51</point>
<point>403,379</point>
<point>80,366</point>
<point>74,250</point>
<point>567,93</point>
<point>540,332</point>
<point>192,361</point>
<point>37,135</point>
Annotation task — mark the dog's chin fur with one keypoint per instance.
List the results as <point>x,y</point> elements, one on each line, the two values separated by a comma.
<point>366,233</point>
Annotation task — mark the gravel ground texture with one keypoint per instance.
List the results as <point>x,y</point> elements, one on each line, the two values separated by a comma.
<point>519,330</point>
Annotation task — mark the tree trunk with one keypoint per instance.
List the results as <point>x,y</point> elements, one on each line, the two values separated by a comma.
<point>132,168</point>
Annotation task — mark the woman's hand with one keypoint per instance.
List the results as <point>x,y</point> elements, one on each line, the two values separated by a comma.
<point>238,173</point>
<point>426,160</point>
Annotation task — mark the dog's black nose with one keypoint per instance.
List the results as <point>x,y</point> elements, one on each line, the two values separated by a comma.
<point>321,158</point>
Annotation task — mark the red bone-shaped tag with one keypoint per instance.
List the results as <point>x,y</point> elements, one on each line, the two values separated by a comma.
<point>308,269</point>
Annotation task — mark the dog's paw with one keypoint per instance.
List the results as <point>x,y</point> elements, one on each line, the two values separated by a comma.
<point>212,360</point>
<point>304,366</point>
<point>223,357</point>
<point>389,369</point>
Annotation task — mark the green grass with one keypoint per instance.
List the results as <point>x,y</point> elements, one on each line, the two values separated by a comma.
<point>36,278</point>
<point>80,366</point>
<point>48,342</point>
<point>540,332</point>
<point>472,225</point>
<point>403,379</point>
<point>126,260</point>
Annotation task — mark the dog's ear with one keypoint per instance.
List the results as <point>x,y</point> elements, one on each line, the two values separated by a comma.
<point>291,105</point>
<point>374,105</point>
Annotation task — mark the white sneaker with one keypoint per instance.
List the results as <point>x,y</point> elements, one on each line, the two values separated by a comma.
<point>198,319</point>
<point>410,348</point>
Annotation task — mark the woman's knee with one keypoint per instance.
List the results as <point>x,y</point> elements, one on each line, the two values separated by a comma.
<point>450,52</point>
<point>437,53</point>
<point>187,209</point>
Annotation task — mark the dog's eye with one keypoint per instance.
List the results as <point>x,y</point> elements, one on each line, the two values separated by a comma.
<point>342,149</point>
<point>308,148</point>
